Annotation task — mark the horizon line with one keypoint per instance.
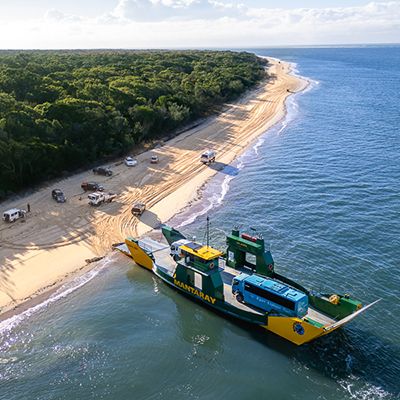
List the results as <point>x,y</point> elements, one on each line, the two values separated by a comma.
<point>337,45</point>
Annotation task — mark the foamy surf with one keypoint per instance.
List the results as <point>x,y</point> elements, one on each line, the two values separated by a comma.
<point>66,289</point>
<point>209,200</point>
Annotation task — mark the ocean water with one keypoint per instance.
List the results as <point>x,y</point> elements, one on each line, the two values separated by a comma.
<point>322,187</point>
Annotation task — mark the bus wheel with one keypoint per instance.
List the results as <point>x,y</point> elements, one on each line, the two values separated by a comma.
<point>239,298</point>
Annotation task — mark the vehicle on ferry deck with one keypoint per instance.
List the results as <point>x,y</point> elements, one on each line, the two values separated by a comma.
<point>175,248</point>
<point>269,295</point>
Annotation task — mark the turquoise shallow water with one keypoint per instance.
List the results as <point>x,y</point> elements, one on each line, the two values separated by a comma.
<point>322,187</point>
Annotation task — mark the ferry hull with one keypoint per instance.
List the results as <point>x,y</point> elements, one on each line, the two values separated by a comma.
<point>296,330</point>
<point>285,327</point>
<point>141,257</point>
<point>282,326</point>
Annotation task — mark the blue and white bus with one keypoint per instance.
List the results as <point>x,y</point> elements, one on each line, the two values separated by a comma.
<point>270,295</point>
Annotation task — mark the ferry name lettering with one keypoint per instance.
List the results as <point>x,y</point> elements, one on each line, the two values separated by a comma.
<point>195,291</point>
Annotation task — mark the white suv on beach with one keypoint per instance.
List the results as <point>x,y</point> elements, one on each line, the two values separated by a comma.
<point>208,157</point>
<point>130,161</point>
<point>13,214</point>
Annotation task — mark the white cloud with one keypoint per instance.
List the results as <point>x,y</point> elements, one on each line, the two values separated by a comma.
<point>226,6</point>
<point>58,16</point>
<point>174,3</point>
<point>205,23</point>
<point>156,10</point>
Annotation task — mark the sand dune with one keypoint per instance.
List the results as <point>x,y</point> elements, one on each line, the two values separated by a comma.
<point>55,239</point>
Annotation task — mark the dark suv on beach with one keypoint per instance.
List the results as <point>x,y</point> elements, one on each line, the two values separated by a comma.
<point>102,171</point>
<point>92,186</point>
<point>138,209</point>
<point>58,195</point>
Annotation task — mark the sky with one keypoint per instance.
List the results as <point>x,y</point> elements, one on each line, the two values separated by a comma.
<point>65,24</point>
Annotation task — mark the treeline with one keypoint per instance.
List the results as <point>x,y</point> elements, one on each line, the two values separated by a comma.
<point>63,110</point>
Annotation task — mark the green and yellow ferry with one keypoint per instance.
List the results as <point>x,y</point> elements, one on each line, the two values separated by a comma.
<point>252,292</point>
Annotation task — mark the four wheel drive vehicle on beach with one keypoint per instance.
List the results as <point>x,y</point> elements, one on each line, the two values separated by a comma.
<point>154,160</point>
<point>93,186</point>
<point>138,209</point>
<point>102,171</point>
<point>58,195</point>
<point>130,161</point>
<point>13,214</point>
<point>208,157</point>
<point>97,198</point>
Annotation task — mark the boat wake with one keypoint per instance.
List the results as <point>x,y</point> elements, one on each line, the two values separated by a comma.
<point>362,390</point>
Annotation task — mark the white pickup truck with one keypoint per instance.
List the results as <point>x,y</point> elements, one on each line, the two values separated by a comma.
<point>97,198</point>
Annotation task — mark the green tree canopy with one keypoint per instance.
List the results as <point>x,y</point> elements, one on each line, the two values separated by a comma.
<point>62,110</point>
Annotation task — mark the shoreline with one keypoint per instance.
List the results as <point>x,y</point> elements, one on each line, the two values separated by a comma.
<point>92,231</point>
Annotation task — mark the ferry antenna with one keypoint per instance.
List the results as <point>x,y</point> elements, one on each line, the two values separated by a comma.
<point>208,231</point>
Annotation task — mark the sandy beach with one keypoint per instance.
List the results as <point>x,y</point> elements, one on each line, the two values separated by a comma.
<point>54,241</point>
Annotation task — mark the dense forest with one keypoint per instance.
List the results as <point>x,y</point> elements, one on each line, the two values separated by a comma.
<point>60,111</point>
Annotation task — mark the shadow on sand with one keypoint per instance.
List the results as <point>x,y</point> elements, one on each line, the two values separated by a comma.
<point>224,168</point>
<point>150,219</point>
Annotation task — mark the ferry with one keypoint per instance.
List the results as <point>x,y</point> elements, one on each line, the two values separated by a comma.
<point>244,287</point>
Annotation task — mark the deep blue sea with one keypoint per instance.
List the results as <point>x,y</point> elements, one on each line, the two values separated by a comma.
<point>322,186</point>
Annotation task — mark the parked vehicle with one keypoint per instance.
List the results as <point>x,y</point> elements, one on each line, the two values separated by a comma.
<point>102,171</point>
<point>93,186</point>
<point>208,157</point>
<point>138,209</point>
<point>175,248</point>
<point>97,198</point>
<point>58,195</point>
<point>130,162</point>
<point>13,214</point>
<point>154,159</point>
<point>270,295</point>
